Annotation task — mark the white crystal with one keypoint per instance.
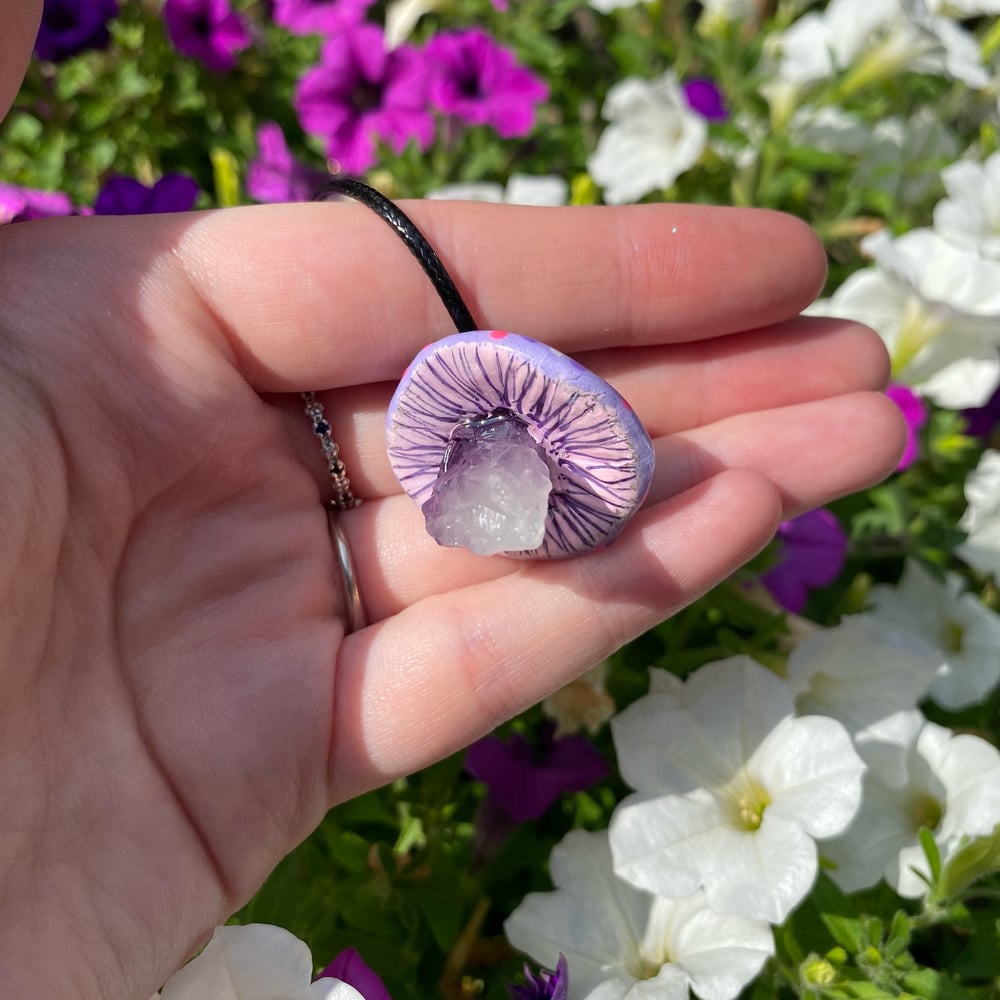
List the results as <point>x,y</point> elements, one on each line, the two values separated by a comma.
<point>493,499</point>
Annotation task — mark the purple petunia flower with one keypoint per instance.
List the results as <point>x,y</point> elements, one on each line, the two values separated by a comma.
<point>543,986</point>
<point>704,97</point>
<point>20,204</point>
<point>914,413</point>
<point>811,552</point>
<point>981,420</point>
<point>72,26</point>
<point>207,30</point>
<point>349,967</point>
<point>524,780</point>
<point>275,175</point>
<point>480,82</point>
<point>127,196</point>
<point>319,17</point>
<point>360,92</point>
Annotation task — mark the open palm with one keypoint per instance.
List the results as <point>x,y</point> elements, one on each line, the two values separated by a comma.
<point>179,701</point>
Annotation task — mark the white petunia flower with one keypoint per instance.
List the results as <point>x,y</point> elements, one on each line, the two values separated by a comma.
<point>902,155</point>
<point>830,128</point>
<point>919,775</point>
<point>652,138</point>
<point>981,520</point>
<point>970,216</point>
<point>624,944</point>
<point>253,962</point>
<point>732,790</point>
<point>875,40</point>
<point>522,189</point>
<point>962,10</point>
<point>401,17</point>
<point>860,672</point>
<point>962,630</point>
<point>936,307</point>
<point>606,6</point>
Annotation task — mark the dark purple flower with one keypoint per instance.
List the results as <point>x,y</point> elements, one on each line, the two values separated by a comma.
<point>915,414</point>
<point>207,30</point>
<point>72,26</point>
<point>20,204</point>
<point>319,17</point>
<point>349,967</point>
<point>360,92</point>
<point>127,196</point>
<point>481,83</point>
<point>704,97</point>
<point>525,779</point>
<point>276,175</point>
<point>543,986</point>
<point>981,420</point>
<point>811,552</point>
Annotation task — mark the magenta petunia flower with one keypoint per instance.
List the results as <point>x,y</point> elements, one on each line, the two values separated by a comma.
<point>20,204</point>
<point>543,986</point>
<point>72,26</point>
<point>207,30</point>
<point>914,412</point>
<point>275,175</point>
<point>360,92</point>
<point>704,97</point>
<point>319,17</point>
<point>811,552</point>
<point>349,967</point>
<point>525,779</point>
<point>481,83</point>
<point>127,196</point>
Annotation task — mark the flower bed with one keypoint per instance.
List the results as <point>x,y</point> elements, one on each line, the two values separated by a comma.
<point>790,787</point>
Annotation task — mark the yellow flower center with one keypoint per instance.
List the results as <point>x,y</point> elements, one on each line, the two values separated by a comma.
<point>749,800</point>
<point>918,329</point>
<point>642,968</point>
<point>952,637</point>
<point>926,811</point>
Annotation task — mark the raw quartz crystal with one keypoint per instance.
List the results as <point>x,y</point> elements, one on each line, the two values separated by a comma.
<point>493,493</point>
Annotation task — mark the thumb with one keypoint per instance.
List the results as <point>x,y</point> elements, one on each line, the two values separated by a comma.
<point>19,21</point>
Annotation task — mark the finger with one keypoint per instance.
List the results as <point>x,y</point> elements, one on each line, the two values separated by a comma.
<point>672,388</point>
<point>18,28</point>
<point>812,453</point>
<point>322,295</point>
<point>431,679</point>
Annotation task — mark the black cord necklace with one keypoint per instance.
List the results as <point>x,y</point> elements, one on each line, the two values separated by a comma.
<point>401,224</point>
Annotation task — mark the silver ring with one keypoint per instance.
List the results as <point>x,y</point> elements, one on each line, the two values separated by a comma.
<point>354,614</point>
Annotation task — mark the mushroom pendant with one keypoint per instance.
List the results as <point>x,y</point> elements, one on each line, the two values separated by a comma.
<point>507,445</point>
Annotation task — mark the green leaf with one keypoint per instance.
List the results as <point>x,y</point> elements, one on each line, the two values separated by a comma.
<point>898,939</point>
<point>929,984</point>
<point>931,852</point>
<point>863,989</point>
<point>971,862</point>
<point>838,915</point>
<point>24,129</point>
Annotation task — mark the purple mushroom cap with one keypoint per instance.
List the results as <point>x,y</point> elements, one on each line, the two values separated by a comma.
<point>598,455</point>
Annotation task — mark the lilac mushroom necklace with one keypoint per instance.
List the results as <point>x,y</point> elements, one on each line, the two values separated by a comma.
<point>507,445</point>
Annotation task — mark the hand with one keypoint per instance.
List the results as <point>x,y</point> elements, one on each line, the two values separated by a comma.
<point>179,701</point>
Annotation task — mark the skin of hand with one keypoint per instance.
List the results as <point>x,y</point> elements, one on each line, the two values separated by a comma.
<point>179,704</point>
